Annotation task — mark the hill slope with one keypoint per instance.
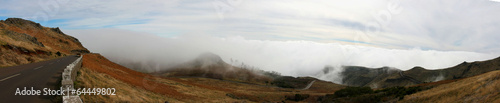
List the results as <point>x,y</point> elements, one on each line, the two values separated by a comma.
<point>23,41</point>
<point>99,72</point>
<point>362,76</point>
<point>484,88</point>
<point>385,77</point>
<point>210,65</point>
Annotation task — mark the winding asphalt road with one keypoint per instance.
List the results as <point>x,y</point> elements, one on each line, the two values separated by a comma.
<point>40,75</point>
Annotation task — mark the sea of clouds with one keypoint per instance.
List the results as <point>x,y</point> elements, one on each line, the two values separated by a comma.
<point>295,58</point>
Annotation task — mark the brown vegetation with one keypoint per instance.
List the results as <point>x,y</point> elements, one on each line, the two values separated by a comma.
<point>125,92</point>
<point>210,65</point>
<point>98,72</point>
<point>481,88</point>
<point>140,80</point>
<point>384,77</point>
<point>23,41</point>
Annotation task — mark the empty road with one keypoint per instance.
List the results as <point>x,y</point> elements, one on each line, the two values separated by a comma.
<point>40,75</point>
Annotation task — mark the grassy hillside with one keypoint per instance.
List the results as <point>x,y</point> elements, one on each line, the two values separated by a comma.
<point>362,76</point>
<point>98,72</point>
<point>210,65</point>
<point>456,72</point>
<point>385,77</point>
<point>484,88</point>
<point>23,41</point>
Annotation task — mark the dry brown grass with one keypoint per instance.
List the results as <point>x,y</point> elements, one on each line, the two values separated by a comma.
<point>140,80</point>
<point>10,57</point>
<point>4,39</point>
<point>483,88</point>
<point>433,84</point>
<point>16,51</point>
<point>124,92</point>
<point>192,89</point>
<point>52,40</point>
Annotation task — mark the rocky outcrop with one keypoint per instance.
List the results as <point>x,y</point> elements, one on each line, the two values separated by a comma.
<point>21,22</point>
<point>23,37</point>
<point>57,30</point>
<point>24,41</point>
<point>18,49</point>
<point>80,51</point>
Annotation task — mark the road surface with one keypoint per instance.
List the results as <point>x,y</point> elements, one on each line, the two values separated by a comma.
<point>40,75</point>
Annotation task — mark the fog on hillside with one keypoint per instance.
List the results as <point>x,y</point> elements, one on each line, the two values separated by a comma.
<point>296,58</point>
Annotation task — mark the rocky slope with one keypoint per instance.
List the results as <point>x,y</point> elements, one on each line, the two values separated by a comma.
<point>23,41</point>
<point>386,77</point>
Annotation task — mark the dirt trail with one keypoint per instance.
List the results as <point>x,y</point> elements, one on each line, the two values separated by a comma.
<point>309,85</point>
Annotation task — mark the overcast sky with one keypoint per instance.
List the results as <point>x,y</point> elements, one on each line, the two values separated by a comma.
<point>464,25</point>
<point>281,35</point>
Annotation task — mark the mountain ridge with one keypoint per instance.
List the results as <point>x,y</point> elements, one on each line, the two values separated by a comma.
<point>208,78</point>
<point>24,41</point>
<point>359,76</point>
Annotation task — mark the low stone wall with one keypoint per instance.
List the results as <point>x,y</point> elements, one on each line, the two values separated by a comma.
<point>69,75</point>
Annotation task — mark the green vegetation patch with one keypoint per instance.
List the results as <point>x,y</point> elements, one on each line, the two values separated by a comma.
<point>291,82</point>
<point>364,94</point>
<point>353,91</point>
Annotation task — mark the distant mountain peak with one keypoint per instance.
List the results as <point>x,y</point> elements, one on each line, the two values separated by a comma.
<point>208,58</point>
<point>418,68</point>
<point>20,21</point>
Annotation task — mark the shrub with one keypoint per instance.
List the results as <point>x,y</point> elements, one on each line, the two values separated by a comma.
<point>353,91</point>
<point>400,92</point>
<point>58,53</point>
<point>363,94</point>
<point>291,82</point>
<point>297,97</point>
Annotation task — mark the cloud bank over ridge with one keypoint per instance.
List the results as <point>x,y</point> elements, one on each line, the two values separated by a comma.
<point>458,25</point>
<point>296,58</point>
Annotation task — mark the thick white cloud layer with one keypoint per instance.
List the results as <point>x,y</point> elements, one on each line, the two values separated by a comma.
<point>294,37</point>
<point>296,58</point>
<point>457,25</point>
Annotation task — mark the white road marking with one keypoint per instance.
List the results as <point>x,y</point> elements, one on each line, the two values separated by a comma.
<point>10,77</point>
<point>38,68</point>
